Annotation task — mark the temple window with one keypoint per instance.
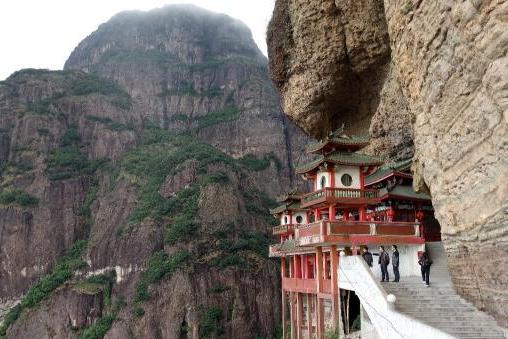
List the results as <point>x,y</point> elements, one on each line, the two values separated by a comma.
<point>299,219</point>
<point>323,181</point>
<point>346,180</point>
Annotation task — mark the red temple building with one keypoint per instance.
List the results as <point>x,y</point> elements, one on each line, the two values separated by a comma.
<point>356,201</point>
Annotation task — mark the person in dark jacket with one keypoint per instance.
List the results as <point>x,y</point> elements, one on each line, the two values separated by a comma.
<point>367,256</point>
<point>395,263</point>
<point>384,260</point>
<point>425,263</point>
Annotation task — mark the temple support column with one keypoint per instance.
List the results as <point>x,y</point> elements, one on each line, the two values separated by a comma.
<point>331,212</point>
<point>317,214</point>
<point>320,321</point>
<point>300,314</point>
<point>334,265</point>
<point>361,212</point>
<point>284,303</point>
<point>283,296</point>
<point>294,322</point>
<point>320,318</point>
<point>308,300</point>
<point>298,266</point>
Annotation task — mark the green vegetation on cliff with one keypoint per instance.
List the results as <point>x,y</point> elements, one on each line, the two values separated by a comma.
<point>69,162</point>
<point>63,270</point>
<point>158,156</point>
<point>110,124</point>
<point>160,266</point>
<point>101,326</point>
<point>17,197</point>
<point>214,118</point>
<point>74,84</point>
<point>210,323</point>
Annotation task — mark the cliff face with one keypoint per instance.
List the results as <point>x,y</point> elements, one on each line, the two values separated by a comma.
<point>158,151</point>
<point>423,73</point>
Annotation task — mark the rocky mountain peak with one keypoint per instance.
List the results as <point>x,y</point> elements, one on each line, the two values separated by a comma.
<point>182,33</point>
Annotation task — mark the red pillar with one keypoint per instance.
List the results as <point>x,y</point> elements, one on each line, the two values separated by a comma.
<point>294,332</point>
<point>331,212</point>
<point>299,315</point>
<point>309,315</point>
<point>284,302</point>
<point>283,296</point>
<point>334,263</point>
<point>320,318</point>
<point>331,174</point>
<point>291,267</point>
<point>345,214</point>
<point>362,213</point>
<point>298,267</point>
<point>302,264</point>
<point>316,214</point>
<point>319,269</point>
<point>320,322</point>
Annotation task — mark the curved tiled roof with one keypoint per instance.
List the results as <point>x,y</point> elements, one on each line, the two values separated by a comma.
<point>387,170</point>
<point>340,158</point>
<point>359,141</point>
<point>286,207</point>
<point>401,191</point>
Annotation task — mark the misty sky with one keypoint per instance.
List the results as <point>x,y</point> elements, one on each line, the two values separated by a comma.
<point>42,33</point>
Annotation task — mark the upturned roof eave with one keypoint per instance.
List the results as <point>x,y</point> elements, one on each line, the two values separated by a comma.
<point>313,165</point>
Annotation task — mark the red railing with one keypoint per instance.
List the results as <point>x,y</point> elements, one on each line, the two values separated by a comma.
<point>339,194</point>
<point>306,285</point>
<point>309,229</point>
<point>282,229</point>
<point>299,285</point>
<point>318,231</point>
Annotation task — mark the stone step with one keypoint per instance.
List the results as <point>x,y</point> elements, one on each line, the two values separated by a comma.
<point>437,311</point>
<point>476,334</point>
<point>439,305</point>
<point>481,323</point>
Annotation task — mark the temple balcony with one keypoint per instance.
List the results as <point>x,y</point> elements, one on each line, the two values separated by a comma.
<point>283,229</point>
<point>348,233</point>
<point>357,232</point>
<point>333,195</point>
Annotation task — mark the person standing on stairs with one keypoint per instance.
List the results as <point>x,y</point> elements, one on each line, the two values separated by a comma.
<point>395,263</point>
<point>425,263</point>
<point>367,256</point>
<point>384,260</point>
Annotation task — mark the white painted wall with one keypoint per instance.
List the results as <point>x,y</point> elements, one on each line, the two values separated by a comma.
<point>285,215</point>
<point>284,219</point>
<point>408,261</point>
<point>318,178</point>
<point>353,171</point>
<point>301,214</point>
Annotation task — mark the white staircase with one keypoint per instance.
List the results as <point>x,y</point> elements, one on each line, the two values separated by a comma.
<point>439,305</point>
<point>419,311</point>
